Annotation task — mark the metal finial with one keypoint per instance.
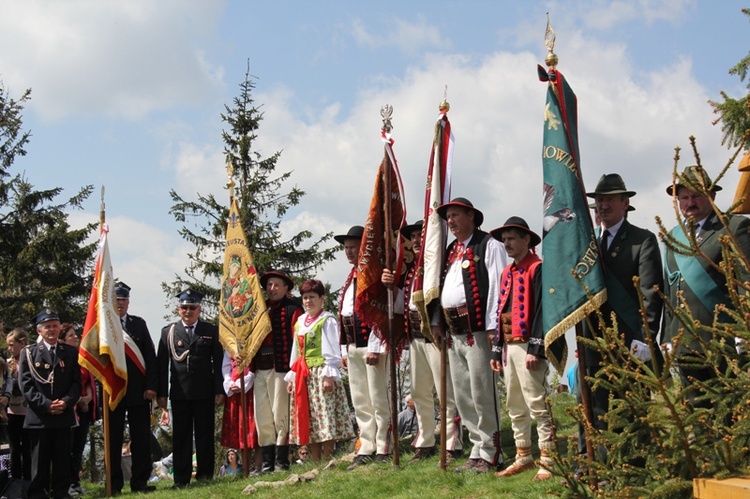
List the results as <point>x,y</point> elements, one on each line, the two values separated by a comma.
<point>444,106</point>
<point>387,113</point>
<point>549,40</point>
<point>230,174</point>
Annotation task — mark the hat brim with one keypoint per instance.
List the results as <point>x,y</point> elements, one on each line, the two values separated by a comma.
<point>272,273</point>
<point>407,230</point>
<point>535,239</point>
<point>629,194</point>
<point>341,238</point>
<point>442,211</point>
<point>715,188</point>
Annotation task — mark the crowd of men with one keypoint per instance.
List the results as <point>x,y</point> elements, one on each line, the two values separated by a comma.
<point>488,319</point>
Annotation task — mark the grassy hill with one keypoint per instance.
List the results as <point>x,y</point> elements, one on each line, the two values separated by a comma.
<point>424,479</point>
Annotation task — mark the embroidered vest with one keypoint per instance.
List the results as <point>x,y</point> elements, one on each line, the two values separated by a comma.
<point>282,327</point>
<point>314,342</point>
<point>516,283</point>
<point>475,277</point>
<point>361,331</point>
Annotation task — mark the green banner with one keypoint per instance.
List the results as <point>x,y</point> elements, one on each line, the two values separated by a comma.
<point>572,275</point>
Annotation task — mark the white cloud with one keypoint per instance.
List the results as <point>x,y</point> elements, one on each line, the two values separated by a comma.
<point>629,122</point>
<point>120,59</point>
<point>606,15</point>
<point>142,256</point>
<point>409,38</point>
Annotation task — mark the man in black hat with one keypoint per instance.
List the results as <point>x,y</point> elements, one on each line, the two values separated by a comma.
<point>271,400</point>
<point>518,347</point>
<point>424,362</point>
<point>143,380</point>
<point>627,251</point>
<point>189,360</point>
<point>468,297</point>
<point>696,279</point>
<point>50,379</point>
<point>363,354</point>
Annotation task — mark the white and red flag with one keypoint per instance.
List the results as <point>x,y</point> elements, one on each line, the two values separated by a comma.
<point>103,347</point>
<point>434,231</point>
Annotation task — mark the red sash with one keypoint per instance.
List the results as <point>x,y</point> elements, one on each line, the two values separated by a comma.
<point>301,397</point>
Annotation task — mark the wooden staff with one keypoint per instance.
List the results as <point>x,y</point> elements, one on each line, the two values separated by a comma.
<point>583,385</point>
<point>442,344</point>
<point>386,112</point>
<point>105,401</point>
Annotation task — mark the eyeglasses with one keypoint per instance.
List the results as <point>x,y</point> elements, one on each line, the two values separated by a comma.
<point>303,453</point>
<point>188,307</point>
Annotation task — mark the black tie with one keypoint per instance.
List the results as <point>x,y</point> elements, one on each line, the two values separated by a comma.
<point>605,238</point>
<point>190,332</point>
<point>52,354</point>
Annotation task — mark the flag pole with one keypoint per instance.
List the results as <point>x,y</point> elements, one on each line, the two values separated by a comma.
<point>552,60</point>
<point>387,112</point>
<point>105,401</point>
<point>441,343</point>
<point>240,366</point>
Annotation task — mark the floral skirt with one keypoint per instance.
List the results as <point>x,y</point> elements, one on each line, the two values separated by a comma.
<point>329,412</point>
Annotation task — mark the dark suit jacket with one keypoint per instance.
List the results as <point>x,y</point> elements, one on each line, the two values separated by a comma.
<point>39,396</point>
<point>198,376</point>
<point>633,252</point>
<point>137,329</point>
<point>709,243</point>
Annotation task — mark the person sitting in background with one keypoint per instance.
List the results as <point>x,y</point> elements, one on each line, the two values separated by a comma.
<point>232,466</point>
<point>407,419</point>
<point>304,454</point>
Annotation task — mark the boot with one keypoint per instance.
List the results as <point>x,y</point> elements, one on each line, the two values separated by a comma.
<point>282,458</point>
<point>268,453</point>
<point>523,462</point>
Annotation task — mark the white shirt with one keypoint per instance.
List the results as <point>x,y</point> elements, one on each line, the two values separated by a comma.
<point>329,346</point>
<point>374,345</point>
<point>612,232</point>
<point>454,294</point>
<point>226,371</point>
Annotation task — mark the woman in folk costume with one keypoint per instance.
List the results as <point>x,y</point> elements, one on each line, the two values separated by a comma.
<point>237,432</point>
<point>320,412</point>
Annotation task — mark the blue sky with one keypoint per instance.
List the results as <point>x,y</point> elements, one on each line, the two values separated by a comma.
<point>128,94</point>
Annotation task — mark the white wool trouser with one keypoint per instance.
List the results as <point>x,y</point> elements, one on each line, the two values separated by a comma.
<point>425,375</point>
<point>526,394</point>
<point>369,389</point>
<point>271,404</point>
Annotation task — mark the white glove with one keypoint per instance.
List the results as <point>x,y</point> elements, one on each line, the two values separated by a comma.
<point>640,350</point>
<point>739,344</point>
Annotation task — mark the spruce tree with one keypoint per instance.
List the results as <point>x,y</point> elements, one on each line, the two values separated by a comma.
<point>263,200</point>
<point>43,262</point>
<point>656,443</point>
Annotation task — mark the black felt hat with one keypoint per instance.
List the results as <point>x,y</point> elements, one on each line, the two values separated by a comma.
<point>355,232</point>
<point>520,224</point>
<point>462,203</point>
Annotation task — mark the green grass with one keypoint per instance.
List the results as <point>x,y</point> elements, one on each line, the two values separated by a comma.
<point>423,479</point>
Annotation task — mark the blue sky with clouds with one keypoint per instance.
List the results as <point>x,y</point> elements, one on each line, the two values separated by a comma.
<point>128,94</point>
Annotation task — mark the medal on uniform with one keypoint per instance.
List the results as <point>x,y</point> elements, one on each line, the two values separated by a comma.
<point>179,343</point>
<point>46,366</point>
<point>37,364</point>
<point>465,264</point>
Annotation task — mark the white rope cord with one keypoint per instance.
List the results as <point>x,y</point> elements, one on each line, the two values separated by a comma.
<point>170,340</point>
<point>46,381</point>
